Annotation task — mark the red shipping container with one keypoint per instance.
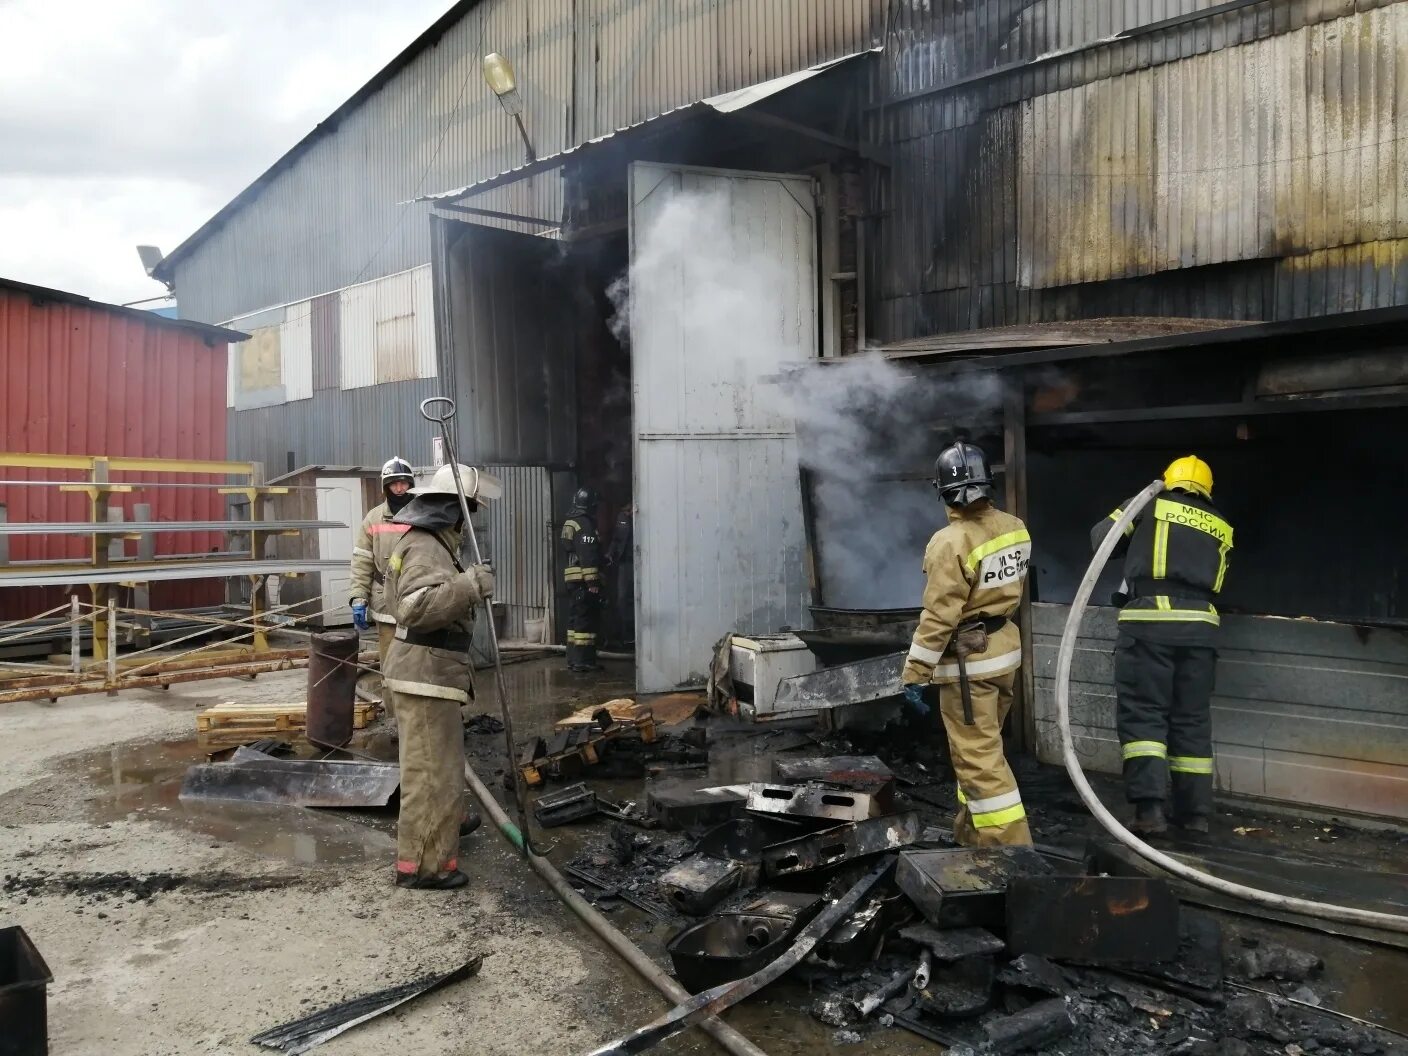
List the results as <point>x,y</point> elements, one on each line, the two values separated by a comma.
<point>85,378</point>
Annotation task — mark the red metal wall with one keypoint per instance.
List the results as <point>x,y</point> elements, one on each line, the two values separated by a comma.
<point>86,380</point>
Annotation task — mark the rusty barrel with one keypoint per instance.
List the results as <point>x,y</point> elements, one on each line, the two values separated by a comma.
<point>332,686</point>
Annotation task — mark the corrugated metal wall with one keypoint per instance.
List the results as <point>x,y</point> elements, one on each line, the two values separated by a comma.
<point>520,542</point>
<point>1246,165</point>
<point>331,219</point>
<point>85,381</point>
<point>1304,712</point>
<point>360,427</point>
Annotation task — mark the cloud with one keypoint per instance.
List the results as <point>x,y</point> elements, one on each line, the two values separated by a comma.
<point>135,121</point>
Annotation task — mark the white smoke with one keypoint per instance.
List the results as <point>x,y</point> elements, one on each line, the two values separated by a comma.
<point>868,428</point>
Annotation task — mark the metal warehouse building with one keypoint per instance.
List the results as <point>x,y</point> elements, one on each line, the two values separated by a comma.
<point>953,182</point>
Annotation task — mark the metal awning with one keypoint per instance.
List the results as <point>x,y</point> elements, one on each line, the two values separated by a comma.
<point>727,103</point>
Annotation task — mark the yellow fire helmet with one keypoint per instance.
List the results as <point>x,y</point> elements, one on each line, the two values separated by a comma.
<point>1190,473</point>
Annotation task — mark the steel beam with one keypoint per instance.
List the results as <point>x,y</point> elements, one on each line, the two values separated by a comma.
<point>138,527</point>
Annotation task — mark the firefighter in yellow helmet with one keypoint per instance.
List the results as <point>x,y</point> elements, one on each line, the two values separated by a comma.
<point>1175,560</point>
<point>969,647</point>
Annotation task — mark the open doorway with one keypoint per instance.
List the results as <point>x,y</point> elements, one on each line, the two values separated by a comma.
<point>634,361</point>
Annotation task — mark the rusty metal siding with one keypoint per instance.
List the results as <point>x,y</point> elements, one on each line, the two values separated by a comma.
<point>331,220</point>
<point>1278,148</point>
<point>82,380</point>
<point>1242,238</point>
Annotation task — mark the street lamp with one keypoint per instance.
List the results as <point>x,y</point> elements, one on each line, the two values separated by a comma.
<point>498,74</point>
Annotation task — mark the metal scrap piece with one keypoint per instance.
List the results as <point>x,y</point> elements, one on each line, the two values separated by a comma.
<point>253,777</point>
<point>310,1031</point>
<point>809,801</point>
<point>841,844</point>
<point>712,1002</point>
<point>855,683</point>
<point>953,944</point>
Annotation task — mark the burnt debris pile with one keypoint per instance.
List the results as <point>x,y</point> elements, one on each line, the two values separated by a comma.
<point>981,950</point>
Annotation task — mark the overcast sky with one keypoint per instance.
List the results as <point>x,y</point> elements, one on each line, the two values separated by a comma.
<point>130,121</point>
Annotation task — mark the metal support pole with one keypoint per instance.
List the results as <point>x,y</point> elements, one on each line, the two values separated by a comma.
<point>75,662</point>
<point>112,645</point>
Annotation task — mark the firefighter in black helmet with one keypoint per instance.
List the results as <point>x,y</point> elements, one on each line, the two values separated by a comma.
<point>581,545</point>
<point>968,647</point>
<point>1175,560</point>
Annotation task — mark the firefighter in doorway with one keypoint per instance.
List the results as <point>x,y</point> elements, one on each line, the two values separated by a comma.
<point>968,645</point>
<point>1175,559</point>
<point>581,545</point>
<point>376,538</point>
<point>428,669</point>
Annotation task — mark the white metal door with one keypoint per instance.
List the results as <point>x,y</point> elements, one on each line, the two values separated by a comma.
<point>339,499</point>
<point>722,297</point>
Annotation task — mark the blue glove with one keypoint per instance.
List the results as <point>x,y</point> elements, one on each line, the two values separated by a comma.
<point>359,615</point>
<point>914,700</point>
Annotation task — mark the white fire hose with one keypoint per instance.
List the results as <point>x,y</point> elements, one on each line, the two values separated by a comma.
<point>1321,910</point>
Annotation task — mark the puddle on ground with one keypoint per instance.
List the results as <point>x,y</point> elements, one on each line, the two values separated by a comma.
<point>143,783</point>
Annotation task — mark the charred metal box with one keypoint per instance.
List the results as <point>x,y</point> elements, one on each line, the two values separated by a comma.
<point>676,807</point>
<point>698,884</point>
<point>965,886</point>
<point>565,805</point>
<point>24,981</point>
<point>1114,920</point>
<point>758,665</point>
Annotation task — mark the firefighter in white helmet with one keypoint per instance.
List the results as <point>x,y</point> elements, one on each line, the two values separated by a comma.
<point>372,549</point>
<point>968,647</point>
<point>433,597</point>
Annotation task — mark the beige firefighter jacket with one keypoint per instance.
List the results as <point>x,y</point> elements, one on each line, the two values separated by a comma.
<point>428,593</point>
<point>973,568</point>
<point>376,538</point>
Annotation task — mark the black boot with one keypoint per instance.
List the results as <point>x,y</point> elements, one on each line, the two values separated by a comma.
<point>446,881</point>
<point>1193,823</point>
<point>1149,818</point>
<point>471,821</point>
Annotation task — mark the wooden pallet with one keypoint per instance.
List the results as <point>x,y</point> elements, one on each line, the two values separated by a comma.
<point>232,723</point>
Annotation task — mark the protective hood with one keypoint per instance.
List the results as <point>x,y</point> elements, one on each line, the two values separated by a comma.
<point>397,503</point>
<point>434,513</point>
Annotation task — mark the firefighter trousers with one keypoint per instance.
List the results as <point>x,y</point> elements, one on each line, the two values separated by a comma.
<point>583,622</point>
<point>990,811</point>
<point>432,784</point>
<point>385,635</point>
<point>1164,719</point>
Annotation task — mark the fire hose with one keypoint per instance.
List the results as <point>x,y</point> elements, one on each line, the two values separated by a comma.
<point>728,1038</point>
<point>1320,910</point>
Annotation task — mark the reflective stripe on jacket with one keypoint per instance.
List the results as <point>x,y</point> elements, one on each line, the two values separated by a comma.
<point>973,568</point>
<point>371,551</point>
<point>581,545</point>
<point>1175,563</point>
<point>427,591</point>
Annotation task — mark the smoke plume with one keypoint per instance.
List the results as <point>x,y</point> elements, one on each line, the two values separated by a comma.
<point>868,429</point>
